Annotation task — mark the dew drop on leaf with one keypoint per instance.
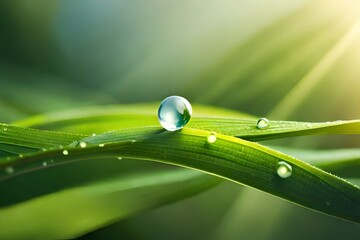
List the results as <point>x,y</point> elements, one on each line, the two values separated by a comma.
<point>65,152</point>
<point>5,129</point>
<point>101,145</point>
<point>174,113</point>
<point>82,144</point>
<point>308,125</point>
<point>262,123</point>
<point>119,158</point>
<point>284,170</point>
<point>44,164</point>
<point>212,138</point>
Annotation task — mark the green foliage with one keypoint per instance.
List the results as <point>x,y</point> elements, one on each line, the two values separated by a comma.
<point>26,150</point>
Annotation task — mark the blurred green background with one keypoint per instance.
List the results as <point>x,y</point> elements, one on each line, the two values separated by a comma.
<point>283,59</point>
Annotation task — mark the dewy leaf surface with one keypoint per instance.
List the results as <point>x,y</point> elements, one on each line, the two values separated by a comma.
<point>229,158</point>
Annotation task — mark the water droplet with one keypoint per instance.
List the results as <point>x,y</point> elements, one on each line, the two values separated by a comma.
<point>327,203</point>
<point>5,129</point>
<point>174,113</point>
<point>284,170</point>
<point>82,144</point>
<point>61,146</point>
<point>211,138</point>
<point>308,125</point>
<point>65,152</point>
<point>262,123</point>
<point>44,149</point>
<point>21,156</point>
<point>133,141</point>
<point>44,164</point>
<point>94,134</point>
<point>101,145</point>
<point>9,170</point>
<point>119,158</point>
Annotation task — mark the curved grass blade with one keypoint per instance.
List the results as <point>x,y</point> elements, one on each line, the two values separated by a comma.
<point>243,128</point>
<point>73,212</point>
<point>105,118</point>
<point>220,120</point>
<point>229,158</point>
<point>19,140</point>
<point>246,129</point>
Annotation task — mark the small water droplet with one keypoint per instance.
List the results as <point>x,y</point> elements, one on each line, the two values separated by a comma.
<point>9,170</point>
<point>211,138</point>
<point>133,141</point>
<point>44,149</point>
<point>44,164</point>
<point>5,129</point>
<point>61,146</point>
<point>82,144</point>
<point>327,203</point>
<point>101,145</point>
<point>119,158</point>
<point>65,152</point>
<point>262,123</point>
<point>21,156</point>
<point>51,160</point>
<point>174,113</point>
<point>284,170</point>
<point>94,134</point>
<point>308,125</point>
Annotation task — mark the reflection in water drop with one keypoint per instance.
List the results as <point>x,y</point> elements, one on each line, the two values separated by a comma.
<point>174,113</point>
<point>212,138</point>
<point>262,123</point>
<point>284,170</point>
<point>82,144</point>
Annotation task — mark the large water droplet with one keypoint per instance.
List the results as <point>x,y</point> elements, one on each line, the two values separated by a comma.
<point>212,138</point>
<point>174,113</point>
<point>284,170</point>
<point>65,152</point>
<point>262,123</point>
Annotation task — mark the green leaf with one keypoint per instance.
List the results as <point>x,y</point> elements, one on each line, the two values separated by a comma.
<point>229,158</point>
<point>75,211</point>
